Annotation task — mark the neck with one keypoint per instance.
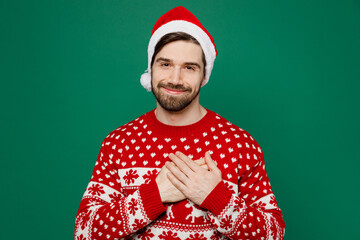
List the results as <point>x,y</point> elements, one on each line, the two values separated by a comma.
<point>189,115</point>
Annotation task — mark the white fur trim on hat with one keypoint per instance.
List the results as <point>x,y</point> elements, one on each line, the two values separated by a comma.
<point>145,80</point>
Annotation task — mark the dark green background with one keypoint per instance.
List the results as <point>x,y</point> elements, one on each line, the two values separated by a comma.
<point>287,71</point>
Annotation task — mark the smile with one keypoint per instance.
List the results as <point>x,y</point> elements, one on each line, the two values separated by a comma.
<point>173,91</point>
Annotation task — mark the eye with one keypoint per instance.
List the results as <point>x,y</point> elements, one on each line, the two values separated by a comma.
<point>164,64</point>
<point>190,68</point>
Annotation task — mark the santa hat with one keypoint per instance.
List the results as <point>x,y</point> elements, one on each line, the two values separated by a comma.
<point>180,19</point>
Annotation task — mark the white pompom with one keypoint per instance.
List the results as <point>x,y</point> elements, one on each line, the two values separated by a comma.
<point>145,80</point>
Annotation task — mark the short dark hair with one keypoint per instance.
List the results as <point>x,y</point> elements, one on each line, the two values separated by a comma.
<point>172,37</point>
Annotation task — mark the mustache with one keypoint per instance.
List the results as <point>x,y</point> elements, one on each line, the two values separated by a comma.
<point>174,87</point>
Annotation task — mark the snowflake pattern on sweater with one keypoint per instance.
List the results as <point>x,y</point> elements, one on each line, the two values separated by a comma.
<point>122,200</point>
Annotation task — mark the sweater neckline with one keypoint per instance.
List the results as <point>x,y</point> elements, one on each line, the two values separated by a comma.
<point>179,131</point>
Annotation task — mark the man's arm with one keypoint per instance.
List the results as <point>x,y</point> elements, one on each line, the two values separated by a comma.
<point>252,214</point>
<point>105,212</point>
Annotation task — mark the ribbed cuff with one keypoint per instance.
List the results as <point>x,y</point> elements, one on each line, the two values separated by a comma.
<point>218,199</point>
<point>151,200</point>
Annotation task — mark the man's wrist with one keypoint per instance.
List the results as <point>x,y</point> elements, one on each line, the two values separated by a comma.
<point>217,200</point>
<point>161,193</point>
<point>152,200</point>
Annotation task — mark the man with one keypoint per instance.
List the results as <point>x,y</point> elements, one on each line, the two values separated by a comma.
<point>179,171</point>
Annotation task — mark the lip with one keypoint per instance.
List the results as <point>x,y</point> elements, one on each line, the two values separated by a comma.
<point>173,91</point>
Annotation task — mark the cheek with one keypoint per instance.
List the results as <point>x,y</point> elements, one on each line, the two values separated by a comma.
<point>158,75</point>
<point>154,77</point>
<point>195,82</point>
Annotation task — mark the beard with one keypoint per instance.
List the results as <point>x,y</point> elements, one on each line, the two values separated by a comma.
<point>174,103</point>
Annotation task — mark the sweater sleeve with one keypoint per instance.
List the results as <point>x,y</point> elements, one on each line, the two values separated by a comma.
<point>106,212</point>
<point>253,213</point>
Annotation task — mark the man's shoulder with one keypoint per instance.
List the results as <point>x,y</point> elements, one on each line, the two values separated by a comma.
<point>129,129</point>
<point>227,125</point>
<point>230,130</point>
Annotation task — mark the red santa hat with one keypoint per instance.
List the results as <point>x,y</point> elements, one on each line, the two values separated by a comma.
<point>180,19</point>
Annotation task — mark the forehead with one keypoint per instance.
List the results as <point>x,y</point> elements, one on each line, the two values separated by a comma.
<point>181,51</point>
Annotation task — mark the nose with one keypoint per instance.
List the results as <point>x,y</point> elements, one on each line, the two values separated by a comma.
<point>175,77</point>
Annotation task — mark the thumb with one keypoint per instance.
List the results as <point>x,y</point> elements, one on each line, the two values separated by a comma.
<point>211,163</point>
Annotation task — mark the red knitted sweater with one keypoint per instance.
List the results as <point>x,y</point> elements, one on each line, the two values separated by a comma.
<point>122,200</point>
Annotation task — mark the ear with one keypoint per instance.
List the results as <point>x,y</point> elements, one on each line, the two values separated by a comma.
<point>203,82</point>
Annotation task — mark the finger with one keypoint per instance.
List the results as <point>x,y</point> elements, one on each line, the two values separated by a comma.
<point>200,161</point>
<point>177,173</point>
<point>205,166</point>
<point>211,163</point>
<point>164,167</point>
<point>189,162</point>
<point>178,184</point>
<point>181,164</point>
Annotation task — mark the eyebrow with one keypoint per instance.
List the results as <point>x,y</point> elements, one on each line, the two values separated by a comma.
<point>186,63</point>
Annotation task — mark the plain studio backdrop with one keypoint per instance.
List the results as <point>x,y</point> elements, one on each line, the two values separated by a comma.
<point>288,72</point>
